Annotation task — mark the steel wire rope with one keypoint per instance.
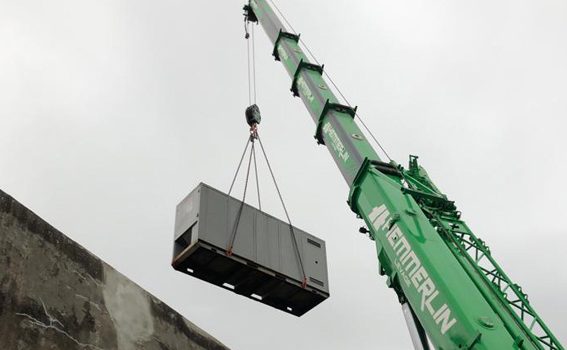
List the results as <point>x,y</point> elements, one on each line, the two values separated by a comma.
<point>256,173</point>
<point>331,80</point>
<point>239,213</point>
<point>246,27</point>
<point>252,96</point>
<point>253,62</point>
<point>250,36</point>
<point>251,65</point>
<point>231,187</point>
<point>239,165</point>
<point>292,231</point>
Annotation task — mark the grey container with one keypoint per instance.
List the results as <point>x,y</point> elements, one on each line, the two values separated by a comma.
<point>264,264</point>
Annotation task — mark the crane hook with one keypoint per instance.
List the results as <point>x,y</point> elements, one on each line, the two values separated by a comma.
<point>253,118</point>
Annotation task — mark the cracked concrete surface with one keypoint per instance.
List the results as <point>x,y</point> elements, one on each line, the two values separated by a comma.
<point>54,294</point>
<point>56,325</point>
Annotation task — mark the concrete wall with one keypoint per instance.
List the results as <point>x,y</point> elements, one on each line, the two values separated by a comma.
<point>54,294</point>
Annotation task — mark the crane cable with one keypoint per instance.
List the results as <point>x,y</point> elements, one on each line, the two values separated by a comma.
<point>252,97</point>
<point>251,61</point>
<point>241,206</point>
<point>291,229</point>
<point>238,167</point>
<point>252,159</point>
<point>253,154</point>
<point>331,80</point>
<point>254,62</point>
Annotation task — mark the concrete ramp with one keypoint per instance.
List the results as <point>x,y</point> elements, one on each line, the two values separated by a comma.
<point>54,294</point>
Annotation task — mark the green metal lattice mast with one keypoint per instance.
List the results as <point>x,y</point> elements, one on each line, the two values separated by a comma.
<point>455,290</point>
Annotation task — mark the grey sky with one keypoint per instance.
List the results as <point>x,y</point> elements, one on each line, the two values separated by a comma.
<point>112,111</point>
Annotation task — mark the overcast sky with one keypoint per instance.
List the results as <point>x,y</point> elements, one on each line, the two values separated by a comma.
<point>111,111</point>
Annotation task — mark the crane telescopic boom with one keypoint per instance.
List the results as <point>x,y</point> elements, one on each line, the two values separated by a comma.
<point>447,277</point>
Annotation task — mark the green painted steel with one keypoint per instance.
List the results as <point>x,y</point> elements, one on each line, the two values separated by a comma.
<point>475,256</point>
<point>423,247</point>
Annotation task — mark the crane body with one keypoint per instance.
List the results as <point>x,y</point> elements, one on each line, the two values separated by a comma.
<point>441,272</point>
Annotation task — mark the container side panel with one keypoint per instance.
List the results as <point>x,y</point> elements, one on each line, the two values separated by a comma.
<point>288,254</point>
<point>187,212</point>
<point>264,238</point>
<point>273,237</point>
<point>315,262</point>
<point>215,221</point>
<point>244,242</point>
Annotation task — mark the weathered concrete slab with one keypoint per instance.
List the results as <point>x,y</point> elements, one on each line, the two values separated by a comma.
<point>54,294</point>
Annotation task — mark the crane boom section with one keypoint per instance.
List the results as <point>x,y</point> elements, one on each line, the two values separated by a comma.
<point>335,126</point>
<point>450,297</point>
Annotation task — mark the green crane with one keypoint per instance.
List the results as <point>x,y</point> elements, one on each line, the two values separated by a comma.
<point>452,291</point>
